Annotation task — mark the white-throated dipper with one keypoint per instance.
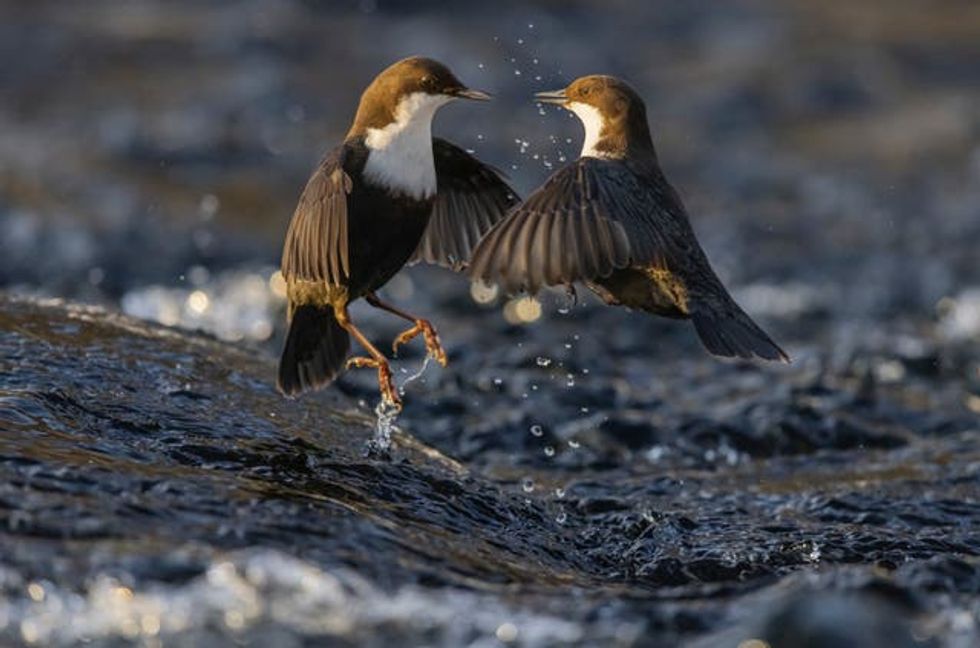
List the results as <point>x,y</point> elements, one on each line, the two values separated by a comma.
<point>389,194</point>
<point>612,221</point>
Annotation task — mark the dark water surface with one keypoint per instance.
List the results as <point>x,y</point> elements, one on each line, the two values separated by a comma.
<point>154,486</point>
<point>578,474</point>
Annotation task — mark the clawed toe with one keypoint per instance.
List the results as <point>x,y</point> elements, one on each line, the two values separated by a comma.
<point>432,345</point>
<point>386,382</point>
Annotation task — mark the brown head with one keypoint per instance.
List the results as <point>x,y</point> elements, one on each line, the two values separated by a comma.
<point>613,114</point>
<point>416,85</point>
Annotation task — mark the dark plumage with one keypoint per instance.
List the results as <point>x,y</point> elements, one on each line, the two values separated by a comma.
<point>389,194</point>
<point>612,221</point>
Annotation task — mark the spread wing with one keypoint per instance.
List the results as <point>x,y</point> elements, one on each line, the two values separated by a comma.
<point>316,241</point>
<point>588,219</point>
<point>471,197</point>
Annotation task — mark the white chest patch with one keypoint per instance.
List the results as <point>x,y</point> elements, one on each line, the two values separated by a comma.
<point>400,156</point>
<point>591,118</point>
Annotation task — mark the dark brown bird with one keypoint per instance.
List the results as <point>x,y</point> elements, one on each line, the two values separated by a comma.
<point>389,194</point>
<point>612,221</point>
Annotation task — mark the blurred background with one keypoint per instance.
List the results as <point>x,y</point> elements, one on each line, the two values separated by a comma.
<point>151,152</point>
<point>616,485</point>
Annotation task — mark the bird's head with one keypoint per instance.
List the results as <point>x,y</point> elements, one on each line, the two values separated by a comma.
<point>613,114</point>
<point>411,89</point>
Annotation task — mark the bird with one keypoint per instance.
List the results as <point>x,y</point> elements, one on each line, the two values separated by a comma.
<point>610,220</point>
<point>388,195</point>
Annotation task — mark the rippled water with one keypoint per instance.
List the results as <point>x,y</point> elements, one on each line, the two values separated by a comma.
<point>577,475</point>
<point>154,485</point>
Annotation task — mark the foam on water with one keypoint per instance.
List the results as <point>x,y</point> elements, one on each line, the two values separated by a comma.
<point>279,596</point>
<point>233,305</point>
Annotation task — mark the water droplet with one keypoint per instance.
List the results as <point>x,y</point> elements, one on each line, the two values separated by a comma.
<point>656,453</point>
<point>498,381</point>
<point>569,380</point>
<point>537,430</point>
<point>543,362</point>
<point>527,485</point>
<point>559,492</point>
<point>549,451</point>
<point>814,553</point>
<point>415,376</point>
<point>520,41</point>
<point>506,632</point>
<point>562,517</point>
<point>573,444</point>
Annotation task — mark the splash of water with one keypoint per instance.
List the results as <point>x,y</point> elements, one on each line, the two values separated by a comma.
<point>387,413</point>
<point>415,376</point>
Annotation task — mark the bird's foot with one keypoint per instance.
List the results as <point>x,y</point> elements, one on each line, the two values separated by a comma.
<point>386,381</point>
<point>432,345</point>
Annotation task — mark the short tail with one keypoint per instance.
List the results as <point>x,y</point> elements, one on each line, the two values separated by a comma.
<point>729,332</point>
<point>315,351</point>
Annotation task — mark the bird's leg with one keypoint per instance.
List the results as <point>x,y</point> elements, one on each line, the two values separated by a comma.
<point>376,360</point>
<point>421,327</point>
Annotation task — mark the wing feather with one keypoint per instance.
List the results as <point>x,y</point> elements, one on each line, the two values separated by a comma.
<point>470,199</point>
<point>316,242</point>
<point>590,218</point>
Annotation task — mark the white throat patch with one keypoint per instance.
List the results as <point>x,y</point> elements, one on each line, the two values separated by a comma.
<point>400,156</point>
<point>591,118</point>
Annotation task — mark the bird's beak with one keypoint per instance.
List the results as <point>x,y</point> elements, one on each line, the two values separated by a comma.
<point>474,95</point>
<point>557,97</point>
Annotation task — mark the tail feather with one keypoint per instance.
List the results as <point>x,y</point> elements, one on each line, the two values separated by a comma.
<point>315,350</point>
<point>729,332</point>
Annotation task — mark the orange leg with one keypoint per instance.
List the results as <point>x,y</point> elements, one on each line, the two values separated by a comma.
<point>422,327</point>
<point>376,360</point>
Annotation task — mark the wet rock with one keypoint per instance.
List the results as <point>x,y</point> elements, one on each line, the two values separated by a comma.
<point>839,621</point>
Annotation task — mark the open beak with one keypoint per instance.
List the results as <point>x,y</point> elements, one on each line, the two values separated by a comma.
<point>475,95</point>
<point>557,97</point>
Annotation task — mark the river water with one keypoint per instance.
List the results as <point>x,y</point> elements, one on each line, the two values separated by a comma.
<point>578,475</point>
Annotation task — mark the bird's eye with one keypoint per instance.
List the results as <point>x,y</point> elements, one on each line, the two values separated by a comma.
<point>585,91</point>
